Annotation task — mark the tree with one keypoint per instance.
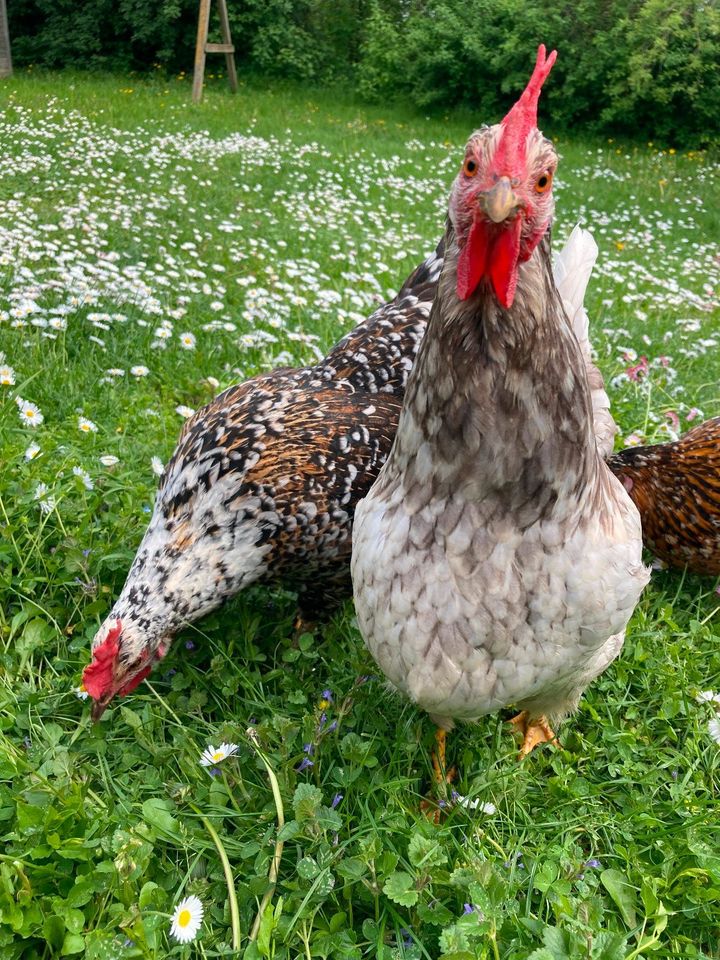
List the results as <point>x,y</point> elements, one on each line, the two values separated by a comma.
<point>5,58</point>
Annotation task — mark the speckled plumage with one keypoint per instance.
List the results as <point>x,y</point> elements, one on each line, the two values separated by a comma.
<point>263,484</point>
<point>676,488</point>
<point>496,560</point>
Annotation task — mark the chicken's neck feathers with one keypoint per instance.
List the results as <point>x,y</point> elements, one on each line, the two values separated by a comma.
<point>498,401</point>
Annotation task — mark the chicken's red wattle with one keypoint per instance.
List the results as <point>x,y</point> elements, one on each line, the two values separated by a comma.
<point>98,675</point>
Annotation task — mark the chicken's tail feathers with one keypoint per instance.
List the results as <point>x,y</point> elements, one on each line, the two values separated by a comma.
<point>572,269</point>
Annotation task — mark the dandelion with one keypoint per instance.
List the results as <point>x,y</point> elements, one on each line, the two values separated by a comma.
<point>139,371</point>
<point>29,413</point>
<point>85,477</point>
<point>86,426</point>
<point>32,451</point>
<point>187,341</point>
<point>187,919</point>
<point>213,755</point>
<point>7,376</point>
<point>158,468</point>
<point>184,411</point>
<point>108,460</point>
<point>714,729</point>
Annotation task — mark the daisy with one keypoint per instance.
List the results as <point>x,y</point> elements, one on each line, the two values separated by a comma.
<point>714,728</point>
<point>157,466</point>
<point>187,342</point>
<point>7,376</point>
<point>184,411</point>
<point>139,371</point>
<point>47,504</point>
<point>214,755</point>
<point>85,477</point>
<point>108,460</point>
<point>87,426</point>
<point>29,413</point>
<point>80,692</point>
<point>708,696</point>
<point>32,451</point>
<point>187,919</point>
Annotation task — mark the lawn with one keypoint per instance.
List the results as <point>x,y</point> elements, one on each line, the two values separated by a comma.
<point>152,253</point>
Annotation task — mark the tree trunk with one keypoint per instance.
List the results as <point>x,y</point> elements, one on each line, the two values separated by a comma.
<point>5,58</point>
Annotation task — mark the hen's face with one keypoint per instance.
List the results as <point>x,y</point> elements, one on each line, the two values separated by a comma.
<point>501,205</point>
<point>118,664</point>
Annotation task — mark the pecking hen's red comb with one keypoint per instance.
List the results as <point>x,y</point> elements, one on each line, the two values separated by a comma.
<point>98,675</point>
<point>522,117</point>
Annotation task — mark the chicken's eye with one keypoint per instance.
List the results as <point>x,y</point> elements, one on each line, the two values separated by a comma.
<point>543,183</point>
<point>470,167</point>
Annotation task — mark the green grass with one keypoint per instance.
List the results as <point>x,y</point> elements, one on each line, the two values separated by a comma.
<point>604,849</point>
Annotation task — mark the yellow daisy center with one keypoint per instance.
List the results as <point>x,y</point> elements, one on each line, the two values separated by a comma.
<point>184,918</point>
<point>218,755</point>
<point>29,414</point>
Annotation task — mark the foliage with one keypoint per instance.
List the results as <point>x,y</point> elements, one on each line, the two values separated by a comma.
<point>645,68</point>
<point>605,849</point>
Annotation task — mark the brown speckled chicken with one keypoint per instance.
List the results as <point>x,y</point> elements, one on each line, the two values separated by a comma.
<point>496,560</point>
<point>676,488</point>
<point>262,487</point>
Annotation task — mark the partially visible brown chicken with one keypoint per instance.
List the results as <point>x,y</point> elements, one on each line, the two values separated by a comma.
<point>676,488</point>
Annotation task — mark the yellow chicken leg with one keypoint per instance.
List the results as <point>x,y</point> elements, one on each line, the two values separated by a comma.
<point>442,777</point>
<point>534,732</point>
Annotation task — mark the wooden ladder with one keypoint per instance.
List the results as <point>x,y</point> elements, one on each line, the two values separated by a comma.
<point>202,47</point>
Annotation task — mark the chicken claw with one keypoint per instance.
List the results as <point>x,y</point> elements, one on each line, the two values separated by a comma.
<point>534,732</point>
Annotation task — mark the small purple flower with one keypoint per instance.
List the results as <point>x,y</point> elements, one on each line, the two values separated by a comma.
<point>333,726</point>
<point>336,800</point>
<point>189,645</point>
<point>406,938</point>
<point>321,722</point>
<point>215,772</point>
<point>304,764</point>
<point>86,553</point>
<point>327,695</point>
<point>468,908</point>
<point>128,943</point>
<point>309,749</point>
<point>593,864</point>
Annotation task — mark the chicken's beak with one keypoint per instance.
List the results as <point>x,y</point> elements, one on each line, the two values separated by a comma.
<point>98,708</point>
<point>500,202</point>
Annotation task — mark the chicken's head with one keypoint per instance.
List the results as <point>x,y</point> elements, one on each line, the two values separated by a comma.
<point>501,202</point>
<point>118,664</point>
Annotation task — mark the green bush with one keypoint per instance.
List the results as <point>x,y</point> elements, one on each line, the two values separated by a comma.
<point>640,67</point>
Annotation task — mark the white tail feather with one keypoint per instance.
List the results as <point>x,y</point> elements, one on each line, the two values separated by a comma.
<point>572,269</point>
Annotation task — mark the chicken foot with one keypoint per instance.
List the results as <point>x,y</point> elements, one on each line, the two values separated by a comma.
<point>534,732</point>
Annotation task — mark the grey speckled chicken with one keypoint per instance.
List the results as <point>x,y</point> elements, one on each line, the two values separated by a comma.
<point>496,560</point>
<point>262,487</point>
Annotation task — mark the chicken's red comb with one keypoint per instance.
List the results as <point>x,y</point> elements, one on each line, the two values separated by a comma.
<point>522,117</point>
<point>98,675</point>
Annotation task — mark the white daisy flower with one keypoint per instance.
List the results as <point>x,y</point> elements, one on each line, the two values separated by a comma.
<point>213,755</point>
<point>29,413</point>
<point>115,372</point>
<point>108,460</point>
<point>184,411</point>
<point>139,371</point>
<point>32,451</point>
<point>7,376</point>
<point>708,696</point>
<point>85,477</point>
<point>714,728</point>
<point>187,341</point>
<point>87,426</point>
<point>80,692</point>
<point>158,467</point>
<point>47,503</point>
<point>187,919</point>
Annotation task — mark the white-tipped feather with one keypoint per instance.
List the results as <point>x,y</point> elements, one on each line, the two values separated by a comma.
<point>572,269</point>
